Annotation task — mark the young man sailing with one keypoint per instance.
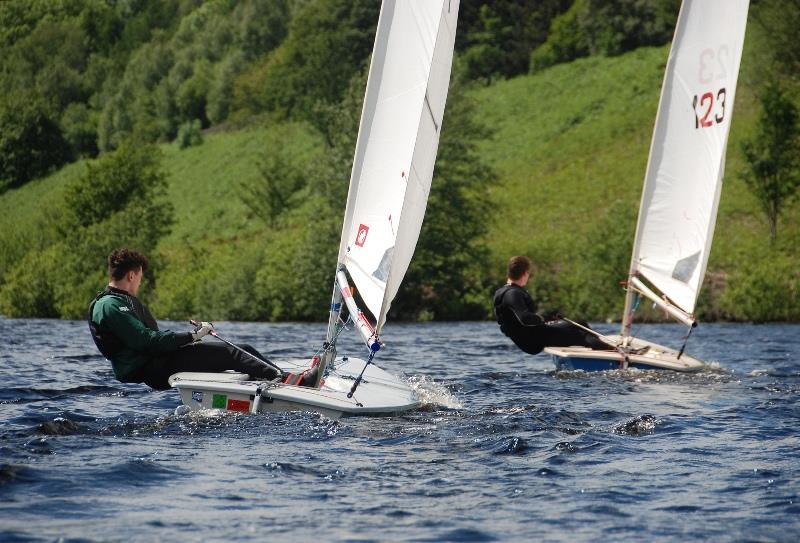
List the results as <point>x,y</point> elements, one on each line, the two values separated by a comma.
<point>530,331</point>
<point>126,333</point>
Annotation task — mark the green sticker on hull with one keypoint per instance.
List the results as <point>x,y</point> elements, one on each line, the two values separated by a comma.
<point>219,401</point>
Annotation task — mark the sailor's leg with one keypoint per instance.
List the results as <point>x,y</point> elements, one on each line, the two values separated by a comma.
<point>565,334</point>
<point>206,357</point>
<point>528,340</point>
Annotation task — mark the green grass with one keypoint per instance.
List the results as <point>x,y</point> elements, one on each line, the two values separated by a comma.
<point>569,142</point>
<point>204,180</point>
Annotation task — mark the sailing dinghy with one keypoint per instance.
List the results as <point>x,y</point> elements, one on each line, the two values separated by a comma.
<point>391,177</point>
<point>681,187</point>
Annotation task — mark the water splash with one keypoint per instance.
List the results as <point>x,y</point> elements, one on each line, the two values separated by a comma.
<point>433,393</point>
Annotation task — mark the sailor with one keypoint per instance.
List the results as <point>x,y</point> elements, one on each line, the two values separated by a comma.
<point>531,331</point>
<point>126,333</point>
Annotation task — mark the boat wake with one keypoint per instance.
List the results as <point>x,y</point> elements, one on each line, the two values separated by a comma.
<point>433,393</point>
<point>712,373</point>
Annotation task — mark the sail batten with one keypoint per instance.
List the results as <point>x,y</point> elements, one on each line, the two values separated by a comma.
<point>685,169</point>
<point>396,148</point>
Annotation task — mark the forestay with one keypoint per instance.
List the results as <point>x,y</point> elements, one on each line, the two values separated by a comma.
<point>396,148</point>
<point>687,155</point>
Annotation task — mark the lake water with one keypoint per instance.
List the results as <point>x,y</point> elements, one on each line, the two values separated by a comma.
<point>505,449</point>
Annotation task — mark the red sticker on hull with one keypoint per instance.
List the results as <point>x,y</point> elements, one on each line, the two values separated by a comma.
<point>239,405</point>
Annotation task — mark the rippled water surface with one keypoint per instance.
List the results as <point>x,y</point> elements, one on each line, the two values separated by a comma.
<point>505,449</point>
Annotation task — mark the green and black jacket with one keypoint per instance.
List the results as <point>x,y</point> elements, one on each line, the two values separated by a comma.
<point>127,334</point>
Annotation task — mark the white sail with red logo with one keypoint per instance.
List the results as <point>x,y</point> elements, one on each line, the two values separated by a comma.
<point>687,155</point>
<point>392,171</point>
<point>396,149</point>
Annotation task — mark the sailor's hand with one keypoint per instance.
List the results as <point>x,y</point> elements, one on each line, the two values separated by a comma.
<point>204,330</point>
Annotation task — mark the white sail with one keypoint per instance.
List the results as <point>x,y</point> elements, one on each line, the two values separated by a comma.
<point>687,155</point>
<point>397,142</point>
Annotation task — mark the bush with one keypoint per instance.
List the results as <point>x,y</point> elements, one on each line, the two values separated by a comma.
<point>215,282</point>
<point>772,170</point>
<point>191,93</point>
<point>765,288</point>
<point>496,38</point>
<point>568,40</point>
<point>189,134</point>
<point>29,287</point>
<point>282,175</point>
<point>131,176</point>
<point>220,94</point>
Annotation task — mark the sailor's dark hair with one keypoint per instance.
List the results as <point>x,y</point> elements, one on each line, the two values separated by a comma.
<point>121,261</point>
<point>517,266</point>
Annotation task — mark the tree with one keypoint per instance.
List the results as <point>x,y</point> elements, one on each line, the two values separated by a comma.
<point>282,175</point>
<point>31,143</point>
<point>773,156</point>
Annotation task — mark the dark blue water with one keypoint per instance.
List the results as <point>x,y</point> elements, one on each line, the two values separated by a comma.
<point>508,449</point>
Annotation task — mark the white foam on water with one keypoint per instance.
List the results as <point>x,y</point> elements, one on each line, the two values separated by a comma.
<point>433,393</point>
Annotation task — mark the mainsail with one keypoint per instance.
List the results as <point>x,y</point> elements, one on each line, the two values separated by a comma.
<point>396,149</point>
<point>687,155</point>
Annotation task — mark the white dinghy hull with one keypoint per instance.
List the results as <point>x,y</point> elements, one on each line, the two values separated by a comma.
<point>656,357</point>
<point>380,393</point>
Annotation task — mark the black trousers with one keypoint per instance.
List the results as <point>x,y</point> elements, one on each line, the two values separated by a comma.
<point>533,339</point>
<point>205,357</point>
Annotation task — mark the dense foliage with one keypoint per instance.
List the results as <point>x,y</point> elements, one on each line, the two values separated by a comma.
<point>261,101</point>
<point>603,27</point>
<point>117,202</point>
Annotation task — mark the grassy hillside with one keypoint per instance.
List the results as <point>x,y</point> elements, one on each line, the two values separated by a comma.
<point>204,180</point>
<point>202,184</point>
<point>572,141</point>
<point>570,145</point>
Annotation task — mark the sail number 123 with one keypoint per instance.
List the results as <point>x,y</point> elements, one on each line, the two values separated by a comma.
<point>712,108</point>
<point>709,107</point>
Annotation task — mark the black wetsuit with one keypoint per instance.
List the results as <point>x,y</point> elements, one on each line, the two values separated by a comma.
<point>531,332</point>
<point>127,334</point>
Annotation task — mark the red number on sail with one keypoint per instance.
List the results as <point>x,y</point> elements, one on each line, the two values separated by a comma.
<point>707,97</point>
